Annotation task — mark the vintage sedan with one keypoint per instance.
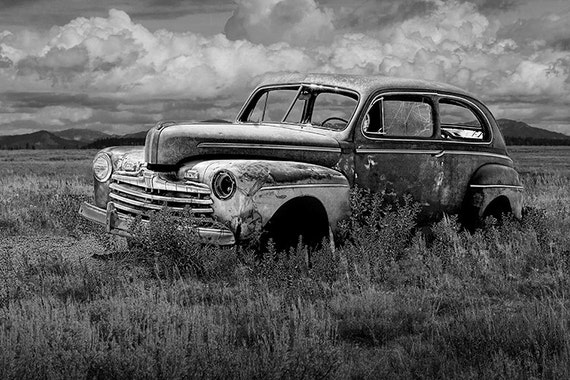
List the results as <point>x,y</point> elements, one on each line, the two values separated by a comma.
<point>286,164</point>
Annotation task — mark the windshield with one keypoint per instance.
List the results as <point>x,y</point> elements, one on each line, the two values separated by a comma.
<point>317,106</point>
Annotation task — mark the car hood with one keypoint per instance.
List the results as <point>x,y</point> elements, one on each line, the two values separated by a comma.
<point>170,144</point>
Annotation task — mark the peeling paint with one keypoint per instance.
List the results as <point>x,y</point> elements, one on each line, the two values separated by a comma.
<point>370,163</point>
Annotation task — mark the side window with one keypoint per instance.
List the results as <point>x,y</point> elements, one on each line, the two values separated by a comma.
<point>400,116</point>
<point>333,110</point>
<point>458,122</point>
<point>296,113</point>
<point>272,105</point>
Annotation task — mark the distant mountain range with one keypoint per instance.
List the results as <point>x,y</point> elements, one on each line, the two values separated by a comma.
<point>38,140</point>
<point>70,139</point>
<point>84,136</point>
<point>515,133</point>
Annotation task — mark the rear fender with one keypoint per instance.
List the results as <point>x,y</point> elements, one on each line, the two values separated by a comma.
<point>493,182</point>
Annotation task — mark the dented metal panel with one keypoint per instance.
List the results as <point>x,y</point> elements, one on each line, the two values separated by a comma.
<point>263,186</point>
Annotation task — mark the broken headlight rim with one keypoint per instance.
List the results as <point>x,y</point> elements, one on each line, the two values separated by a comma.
<point>102,167</point>
<point>224,184</point>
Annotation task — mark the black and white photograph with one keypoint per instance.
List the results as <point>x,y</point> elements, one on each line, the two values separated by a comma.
<point>284,189</point>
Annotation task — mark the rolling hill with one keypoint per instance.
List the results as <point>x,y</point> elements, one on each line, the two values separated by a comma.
<point>519,133</point>
<point>82,135</point>
<point>37,140</point>
<point>69,139</point>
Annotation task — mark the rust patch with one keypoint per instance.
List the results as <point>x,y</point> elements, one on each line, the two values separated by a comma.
<point>249,223</point>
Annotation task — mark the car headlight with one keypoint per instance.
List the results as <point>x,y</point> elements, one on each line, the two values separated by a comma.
<point>102,167</point>
<point>224,184</point>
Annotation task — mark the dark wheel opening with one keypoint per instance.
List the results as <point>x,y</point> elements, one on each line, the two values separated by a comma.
<point>302,218</point>
<point>497,211</point>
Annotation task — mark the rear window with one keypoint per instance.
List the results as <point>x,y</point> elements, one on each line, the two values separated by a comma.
<point>459,122</point>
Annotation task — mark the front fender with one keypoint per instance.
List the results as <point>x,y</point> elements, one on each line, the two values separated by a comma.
<point>263,186</point>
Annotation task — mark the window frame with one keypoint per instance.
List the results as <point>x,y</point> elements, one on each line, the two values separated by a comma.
<point>251,103</point>
<point>479,115</point>
<point>402,97</point>
<point>256,97</point>
<point>436,137</point>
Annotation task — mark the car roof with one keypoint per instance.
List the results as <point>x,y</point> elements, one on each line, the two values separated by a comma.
<point>363,84</point>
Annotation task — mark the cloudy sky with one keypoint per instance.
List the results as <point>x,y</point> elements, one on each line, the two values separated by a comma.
<point>121,65</point>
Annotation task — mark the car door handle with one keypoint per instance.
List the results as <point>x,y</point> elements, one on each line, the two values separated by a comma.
<point>438,154</point>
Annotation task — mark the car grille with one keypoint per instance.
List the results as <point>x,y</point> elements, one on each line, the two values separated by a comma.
<point>140,195</point>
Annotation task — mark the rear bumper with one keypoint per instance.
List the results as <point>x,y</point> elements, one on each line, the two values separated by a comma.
<point>118,224</point>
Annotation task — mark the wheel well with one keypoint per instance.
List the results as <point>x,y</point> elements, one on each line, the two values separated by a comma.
<point>497,207</point>
<point>303,216</point>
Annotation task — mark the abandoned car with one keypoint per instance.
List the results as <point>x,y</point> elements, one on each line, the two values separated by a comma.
<point>286,164</point>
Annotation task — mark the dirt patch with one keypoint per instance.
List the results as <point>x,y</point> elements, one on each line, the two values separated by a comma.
<point>68,247</point>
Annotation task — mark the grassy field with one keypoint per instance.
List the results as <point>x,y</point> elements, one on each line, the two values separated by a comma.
<point>394,303</point>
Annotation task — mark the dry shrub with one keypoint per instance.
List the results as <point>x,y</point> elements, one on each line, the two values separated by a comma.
<point>299,273</point>
<point>376,235</point>
<point>169,245</point>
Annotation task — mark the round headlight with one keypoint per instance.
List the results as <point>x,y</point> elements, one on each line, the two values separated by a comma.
<point>224,185</point>
<point>102,167</point>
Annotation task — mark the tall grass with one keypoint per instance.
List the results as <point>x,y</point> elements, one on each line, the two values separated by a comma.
<point>42,190</point>
<point>392,302</point>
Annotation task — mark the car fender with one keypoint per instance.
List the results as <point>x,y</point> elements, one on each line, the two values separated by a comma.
<point>263,186</point>
<point>491,182</point>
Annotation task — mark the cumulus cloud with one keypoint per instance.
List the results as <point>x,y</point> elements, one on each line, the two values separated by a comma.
<point>118,58</point>
<point>492,6</point>
<point>548,30</point>
<point>51,115</point>
<point>297,22</point>
<point>146,75</point>
<point>377,14</point>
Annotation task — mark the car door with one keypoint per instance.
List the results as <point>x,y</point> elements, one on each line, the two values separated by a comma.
<point>398,148</point>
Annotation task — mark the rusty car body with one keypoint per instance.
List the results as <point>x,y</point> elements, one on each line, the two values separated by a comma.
<point>300,142</point>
